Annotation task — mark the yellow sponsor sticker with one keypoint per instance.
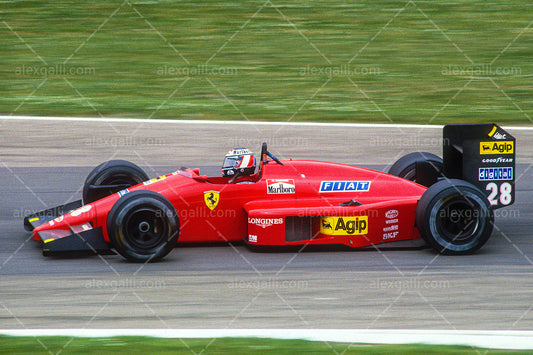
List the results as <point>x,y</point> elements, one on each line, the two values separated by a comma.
<point>357,225</point>
<point>33,219</point>
<point>496,147</point>
<point>493,130</point>
<point>151,181</point>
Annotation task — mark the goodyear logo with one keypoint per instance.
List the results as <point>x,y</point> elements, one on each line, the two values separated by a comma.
<point>496,147</point>
<point>344,225</point>
<point>344,186</point>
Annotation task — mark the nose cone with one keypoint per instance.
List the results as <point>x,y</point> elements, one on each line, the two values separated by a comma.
<point>69,221</point>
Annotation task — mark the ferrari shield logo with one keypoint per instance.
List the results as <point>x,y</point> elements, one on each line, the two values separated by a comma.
<point>211,199</point>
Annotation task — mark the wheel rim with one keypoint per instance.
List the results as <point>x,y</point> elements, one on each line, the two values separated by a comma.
<point>146,228</point>
<point>458,220</point>
<point>119,180</point>
<point>410,174</point>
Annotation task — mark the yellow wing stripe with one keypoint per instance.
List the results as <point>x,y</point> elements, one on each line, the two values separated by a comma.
<point>492,131</point>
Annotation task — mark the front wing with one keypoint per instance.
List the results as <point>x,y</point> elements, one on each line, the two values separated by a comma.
<point>77,239</point>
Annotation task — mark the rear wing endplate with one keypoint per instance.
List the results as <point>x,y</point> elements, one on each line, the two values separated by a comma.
<point>485,156</point>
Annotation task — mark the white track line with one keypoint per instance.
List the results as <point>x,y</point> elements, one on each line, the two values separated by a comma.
<point>214,122</point>
<point>494,339</point>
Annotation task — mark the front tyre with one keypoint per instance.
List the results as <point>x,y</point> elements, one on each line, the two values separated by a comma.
<point>143,226</point>
<point>454,217</point>
<point>110,177</point>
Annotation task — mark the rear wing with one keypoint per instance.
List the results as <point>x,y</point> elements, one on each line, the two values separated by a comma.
<point>485,156</point>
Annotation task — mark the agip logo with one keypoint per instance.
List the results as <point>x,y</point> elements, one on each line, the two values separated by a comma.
<point>496,147</point>
<point>344,225</point>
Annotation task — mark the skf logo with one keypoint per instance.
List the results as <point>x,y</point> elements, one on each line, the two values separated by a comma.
<point>501,147</point>
<point>211,199</point>
<point>344,225</point>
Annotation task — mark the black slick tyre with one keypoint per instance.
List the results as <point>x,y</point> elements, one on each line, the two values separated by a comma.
<point>405,167</point>
<point>143,226</point>
<point>110,177</point>
<point>454,217</point>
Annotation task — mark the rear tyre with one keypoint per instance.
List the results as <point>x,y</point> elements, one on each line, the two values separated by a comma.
<point>110,177</point>
<point>143,226</point>
<point>454,217</point>
<point>405,167</point>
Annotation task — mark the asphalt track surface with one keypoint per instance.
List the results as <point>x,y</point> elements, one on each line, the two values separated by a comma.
<point>43,164</point>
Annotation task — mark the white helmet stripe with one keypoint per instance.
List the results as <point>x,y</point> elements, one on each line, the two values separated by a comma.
<point>245,161</point>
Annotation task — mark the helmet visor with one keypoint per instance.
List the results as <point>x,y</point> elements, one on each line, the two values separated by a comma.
<point>230,162</point>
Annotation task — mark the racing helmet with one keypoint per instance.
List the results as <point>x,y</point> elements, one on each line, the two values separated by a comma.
<point>238,160</point>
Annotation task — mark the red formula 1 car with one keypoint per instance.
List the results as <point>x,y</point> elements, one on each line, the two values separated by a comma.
<point>448,202</point>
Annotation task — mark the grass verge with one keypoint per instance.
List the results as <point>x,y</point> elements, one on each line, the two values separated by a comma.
<point>370,61</point>
<point>147,345</point>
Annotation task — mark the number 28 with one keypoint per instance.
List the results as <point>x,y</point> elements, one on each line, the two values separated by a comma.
<point>505,193</point>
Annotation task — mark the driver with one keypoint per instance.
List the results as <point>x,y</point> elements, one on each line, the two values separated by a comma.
<point>239,161</point>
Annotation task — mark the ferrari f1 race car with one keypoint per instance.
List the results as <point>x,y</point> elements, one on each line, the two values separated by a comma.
<point>449,202</point>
